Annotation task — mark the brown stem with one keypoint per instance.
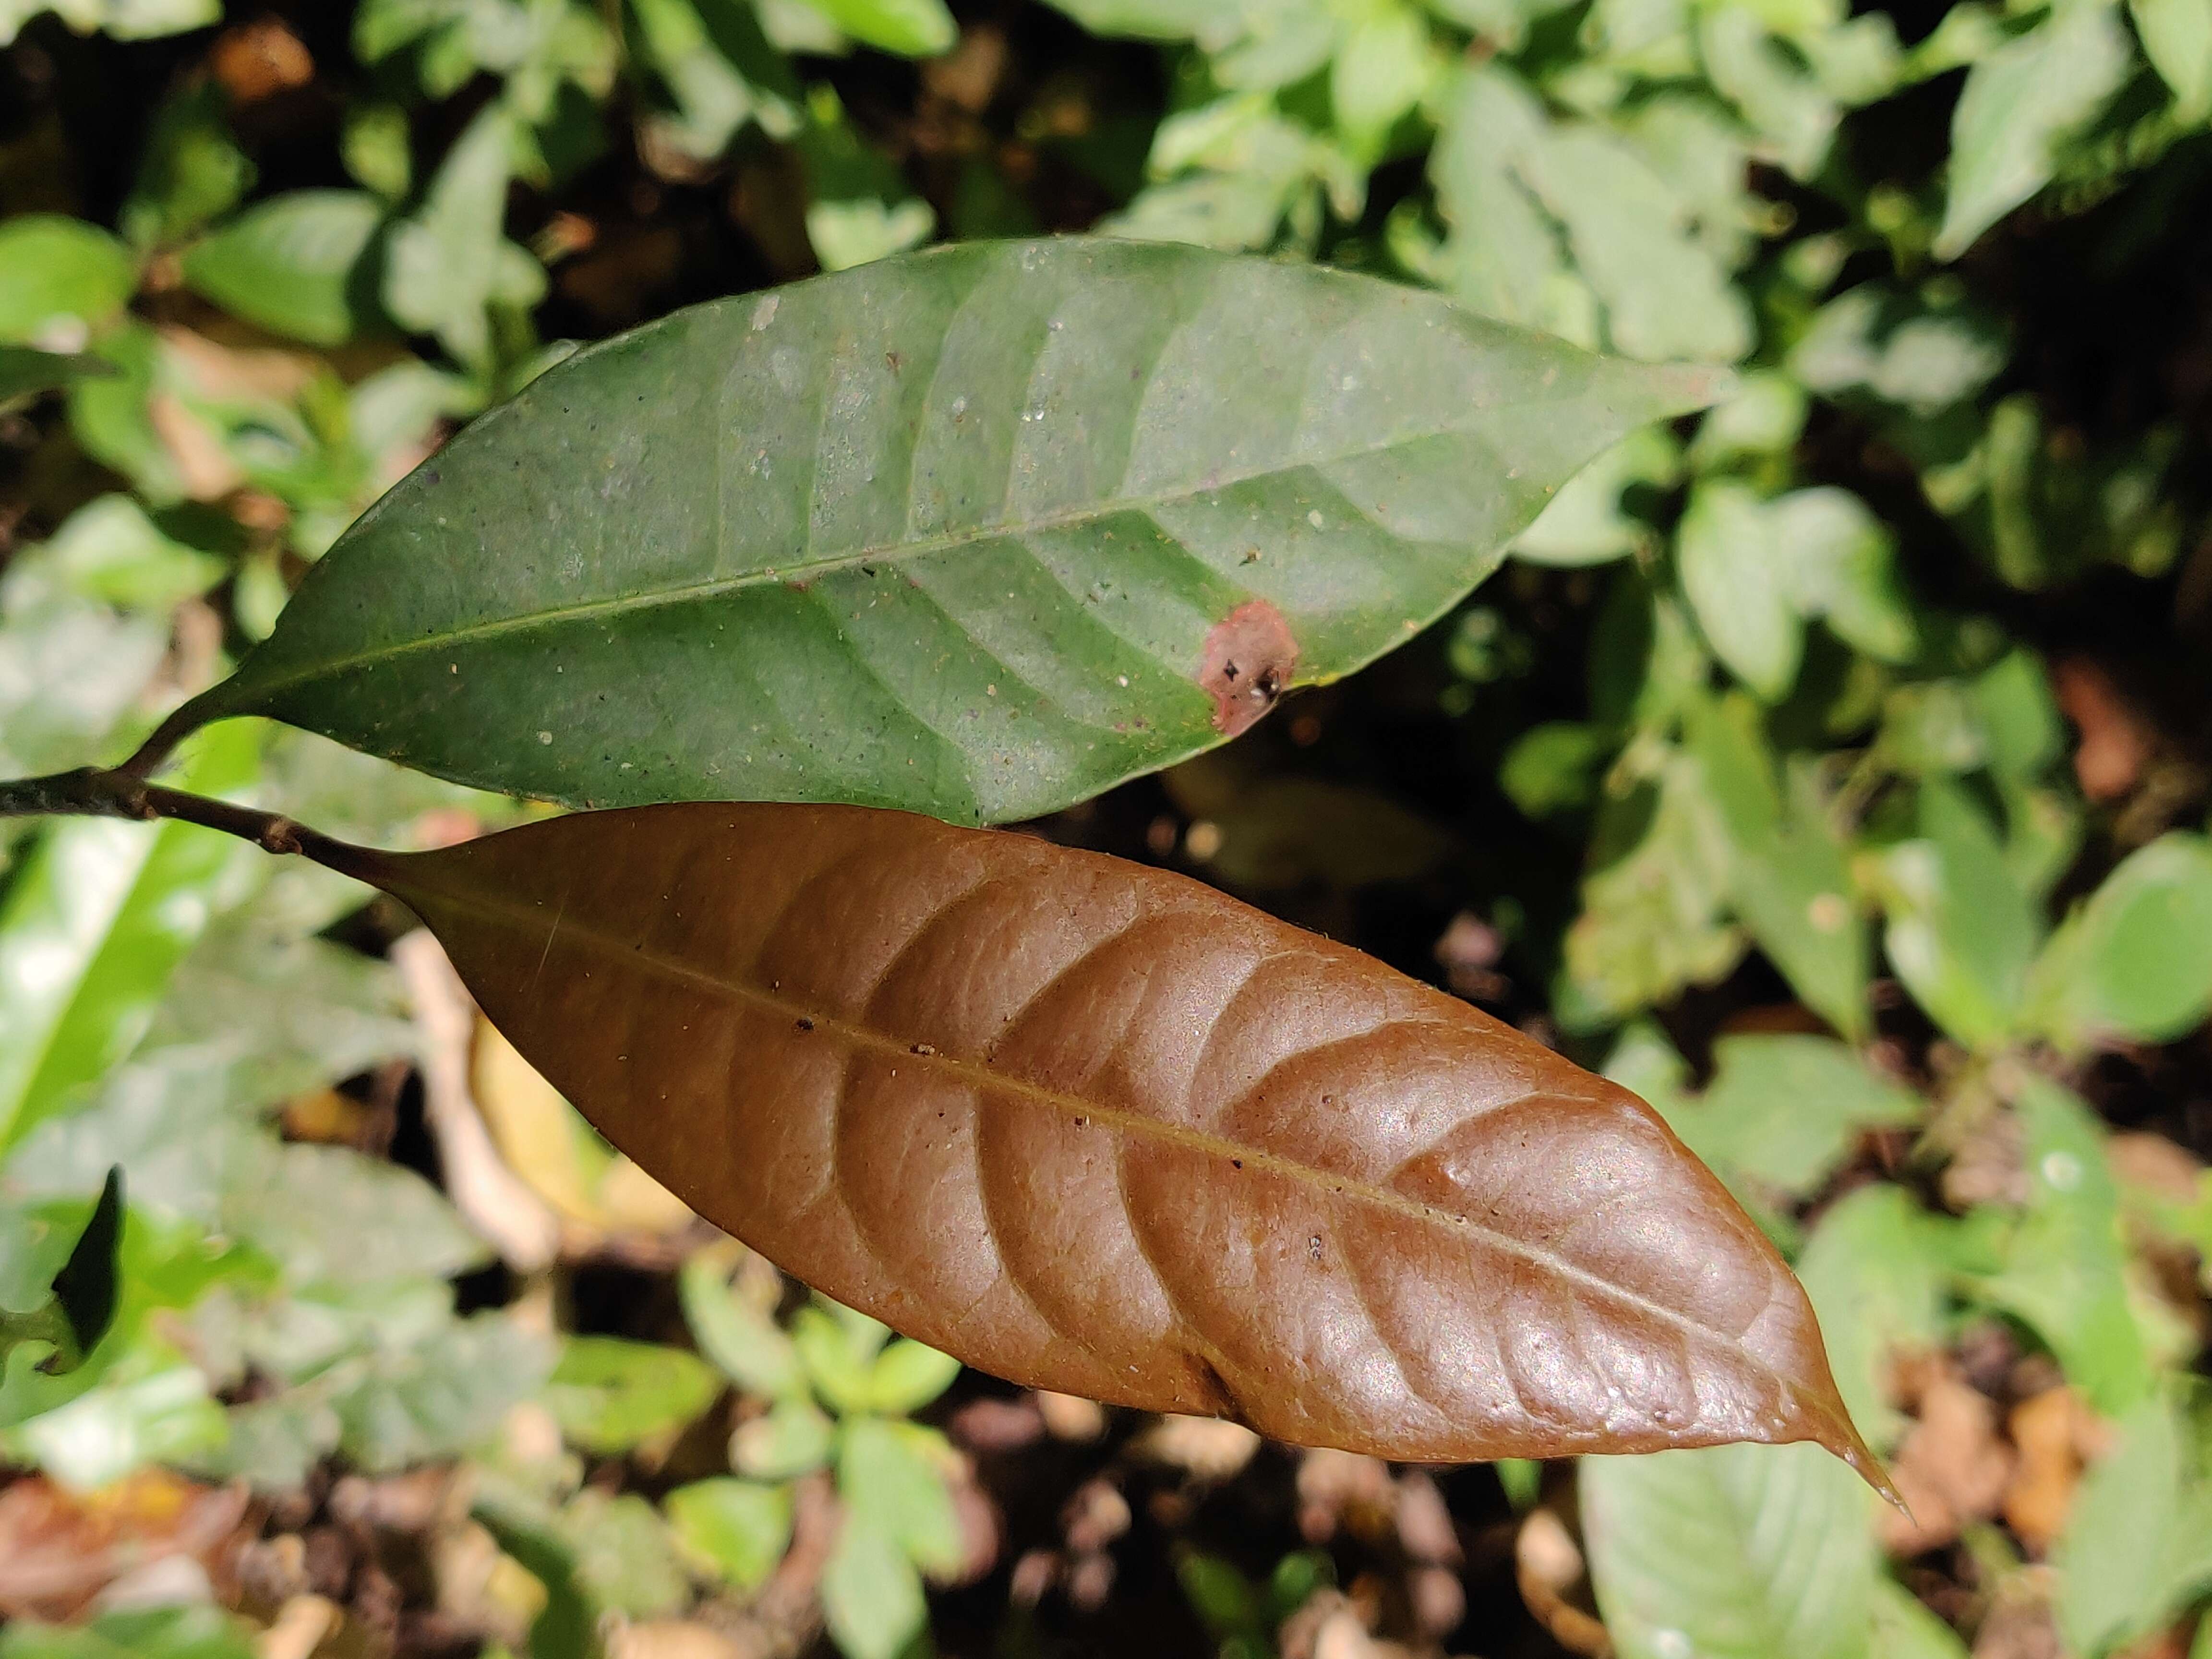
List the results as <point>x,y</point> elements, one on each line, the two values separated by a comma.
<point>183,720</point>
<point>89,793</point>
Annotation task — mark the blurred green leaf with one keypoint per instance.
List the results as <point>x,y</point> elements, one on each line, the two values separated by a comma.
<point>180,1632</point>
<point>2135,962</point>
<point>624,1561</point>
<point>740,1529</point>
<point>909,29</point>
<point>1652,918</point>
<point>1790,880</point>
<point>794,1437</point>
<point>94,926</point>
<point>737,1333</point>
<point>290,263</point>
<point>1904,1628</point>
<point>610,1395</point>
<point>1223,1597</point>
<point>719,70</point>
<point>2177,38</point>
<point>154,1407</point>
<point>908,1375</point>
<point>25,371</point>
<point>1755,570</point>
<point>2137,1545</point>
<point>1554,767</point>
<point>839,1349</point>
<point>1784,1110</point>
<point>331,1215</point>
<point>451,259</point>
<point>891,1477</point>
<point>60,279</point>
<point>1526,194</point>
<point>2020,104</point>
<point>1876,1267</point>
<point>1586,522</point>
<point>108,548</point>
<point>192,170</point>
<point>1962,931</point>
<point>441,1394</point>
<point>2064,1270</point>
<point>1742,1551</point>
<point>871,1595</point>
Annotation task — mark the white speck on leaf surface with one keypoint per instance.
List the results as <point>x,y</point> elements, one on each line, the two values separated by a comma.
<point>764,313</point>
<point>545,737</point>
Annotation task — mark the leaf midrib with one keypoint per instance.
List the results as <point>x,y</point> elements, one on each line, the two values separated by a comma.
<point>983,1076</point>
<point>879,553</point>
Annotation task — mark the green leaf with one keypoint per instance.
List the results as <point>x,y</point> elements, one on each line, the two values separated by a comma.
<point>610,1396</point>
<point>289,264</point>
<point>1585,523</point>
<point>1554,767</point>
<point>623,1560</point>
<point>154,1408</point>
<point>1962,929</point>
<point>910,29</point>
<point>1741,1552</point>
<point>909,1374</point>
<point>94,924</point>
<point>871,1595</point>
<point>445,1392</point>
<point>1875,1268</point>
<point>1790,880</point>
<point>2064,1270</point>
<point>719,72</point>
<point>2021,104</point>
<point>736,1333</point>
<point>1514,184</point>
<point>764,548</point>
<point>2135,961</point>
<point>793,1438</point>
<point>739,1529</point>
<point>109,550</point>
<point>1784,1110</point>
<point>60,279</point>
<point>2177,38</point>
<point>193,170</point>
<point>453,260</point>
<point>891,1477</point>
<point>2135,1547</point>
<point>333,1216</point>
<point>63,1308</point>
<point>178,1632</point>
<point>1754,571</point>
<point>1904,1628</point>
<point>1653,909</point>
<point>839,1347</point>
<point>25,371</point>
<point>159,1266</point>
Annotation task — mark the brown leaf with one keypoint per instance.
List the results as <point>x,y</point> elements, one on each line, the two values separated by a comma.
<point>1098,1128</point>
<point>1951,1471</point>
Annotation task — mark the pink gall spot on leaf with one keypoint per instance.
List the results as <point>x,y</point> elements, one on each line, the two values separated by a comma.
<point>1246,664</point>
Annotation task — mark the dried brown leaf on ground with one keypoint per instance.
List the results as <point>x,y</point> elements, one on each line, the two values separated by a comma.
<point>1096,1128</point>
<point>1952,1468</point>
<point>59,1549</point>
<point>2056,1434</point>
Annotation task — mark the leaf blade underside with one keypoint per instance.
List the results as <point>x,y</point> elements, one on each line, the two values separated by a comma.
<point>959,531</point>
<point>1099,1129</point>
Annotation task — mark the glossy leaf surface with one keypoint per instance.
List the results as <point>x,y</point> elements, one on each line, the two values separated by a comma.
<point>978,532</point>
<point>1098,1128</point>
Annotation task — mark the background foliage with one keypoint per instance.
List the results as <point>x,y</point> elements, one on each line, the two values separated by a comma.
<point>1831,769</point>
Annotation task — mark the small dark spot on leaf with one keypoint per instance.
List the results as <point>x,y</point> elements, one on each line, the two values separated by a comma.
<point>1313,1246</point>
<point>1248,658</point>
<point>804,1024</point>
